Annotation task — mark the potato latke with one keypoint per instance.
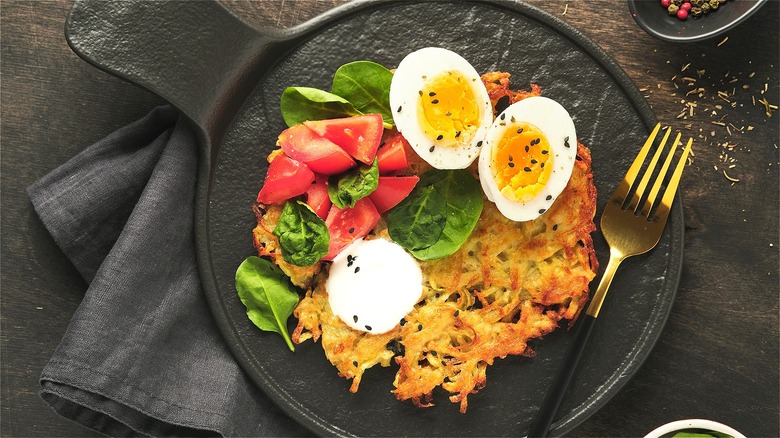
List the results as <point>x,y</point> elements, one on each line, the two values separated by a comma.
<point>510,282</point>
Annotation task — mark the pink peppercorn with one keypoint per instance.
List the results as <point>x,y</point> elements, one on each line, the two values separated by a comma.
<point>686,6</point>
<point>666,3</point>
<point>682,14</point>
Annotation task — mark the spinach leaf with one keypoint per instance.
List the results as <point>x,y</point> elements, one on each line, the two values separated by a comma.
<point>354,185</point>
<point>267,294</point>
<point>303,103</point>
<point>366,85</point>
<point>303,236</point>
<point>417,222</point>
<point>463,196</point>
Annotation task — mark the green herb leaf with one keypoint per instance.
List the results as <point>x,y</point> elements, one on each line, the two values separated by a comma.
<point>354,185</point>
<point>267,294</point>
<point>303,236</point>
<point>417,222</point>
<point>303,103</point>
<point>463,196</point>
<point>366,85</point>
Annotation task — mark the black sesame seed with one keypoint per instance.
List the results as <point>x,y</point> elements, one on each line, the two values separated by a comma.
<point>542,210</point>
<point>503,116</point>
<point>439,137</point>
<point>545,151</point>
<point>457,134</point>
<point>479,144</point>
<point>399,109</point>
<point>419,327</point>
<point>512,119</point>
<point>542,164</point>
<point>510,158</point>
<point>435,101</point>
<point>533,161</point>
<point>432,93</point>
<point>447,379</point>
<point>357,269</point>
<point>354,363</point>
<point>497,82</point>
<point>262,210</point>
<point>457,312</point>
<point>354,318</point>
<point>420,92</point>
<point>349,263</point>
<point>434,354</point>
<point>527,169</point>
<point>511,164</point>
<point>403,322</point>
<point>430,149</point>
<point>548,197</point>
<point>555,227</point>
<point>368,327</point>
<point>527,148</point>
<point>519,131</point>
<point>351,230</point>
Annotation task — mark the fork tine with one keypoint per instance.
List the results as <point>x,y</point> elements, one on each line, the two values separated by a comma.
<point>666,202</point>
<point>640,189</point>
<point>625,184</point>
<point>650,201</point>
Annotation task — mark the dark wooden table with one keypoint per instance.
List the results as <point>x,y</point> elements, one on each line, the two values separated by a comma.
<point>717,357</point>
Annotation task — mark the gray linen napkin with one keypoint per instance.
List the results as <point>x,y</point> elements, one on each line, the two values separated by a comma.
<point>142,354</point>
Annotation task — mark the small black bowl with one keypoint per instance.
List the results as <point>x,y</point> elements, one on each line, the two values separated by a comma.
<point>652,17</point>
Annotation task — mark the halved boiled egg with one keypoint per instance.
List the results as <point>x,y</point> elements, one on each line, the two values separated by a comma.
<point>441,107</point>
<point>528,157</point>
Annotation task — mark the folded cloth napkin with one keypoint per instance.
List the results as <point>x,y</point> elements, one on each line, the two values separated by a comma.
<point>142,354</point>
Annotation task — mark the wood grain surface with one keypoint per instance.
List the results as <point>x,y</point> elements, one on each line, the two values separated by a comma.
<point>717,357</point>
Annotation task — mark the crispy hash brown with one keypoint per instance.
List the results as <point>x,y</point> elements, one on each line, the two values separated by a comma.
<point>509,283</point>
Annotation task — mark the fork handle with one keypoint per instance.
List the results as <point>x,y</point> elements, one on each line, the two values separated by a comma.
<point>552,401</point>
<point>546,414</point>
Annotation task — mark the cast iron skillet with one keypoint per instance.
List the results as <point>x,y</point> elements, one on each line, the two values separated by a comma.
<point>226,77</point>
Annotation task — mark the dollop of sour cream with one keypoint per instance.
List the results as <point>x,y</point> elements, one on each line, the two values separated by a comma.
<point>372,284</point>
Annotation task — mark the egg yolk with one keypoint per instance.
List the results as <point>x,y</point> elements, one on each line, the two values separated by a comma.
<point>447,109</point>
<point>521,162</point>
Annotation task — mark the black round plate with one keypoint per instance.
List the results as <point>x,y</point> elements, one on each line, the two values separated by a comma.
<point>611,118</point>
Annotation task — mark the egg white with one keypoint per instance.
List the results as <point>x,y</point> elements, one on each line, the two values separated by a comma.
<point>372,284</point>
<point>409,78</point>
<point>556,124</point>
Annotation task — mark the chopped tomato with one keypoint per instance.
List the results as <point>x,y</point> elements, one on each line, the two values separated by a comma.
<point>349,224</point>
<point>317,196</point>
<point>391,191</point>
<point>392,156</point>
<point>285,179</point>
<point>320,154</point>
<point>359,136</point>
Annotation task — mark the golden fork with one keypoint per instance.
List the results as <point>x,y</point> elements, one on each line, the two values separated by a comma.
<point>631,227</point>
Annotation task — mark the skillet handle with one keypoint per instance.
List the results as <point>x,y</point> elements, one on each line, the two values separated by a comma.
<point>196,55</point>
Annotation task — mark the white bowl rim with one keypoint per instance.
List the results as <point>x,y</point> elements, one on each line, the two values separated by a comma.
<point>693,423</point>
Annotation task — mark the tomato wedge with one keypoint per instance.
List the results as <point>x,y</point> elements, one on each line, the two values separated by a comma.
<point>349,224</point>
<point>359,136</point>
<point>391,191</point>
<point>320,154</point>
<point>285,179</point>
<point>392,156</point>
<point>317,196</point>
